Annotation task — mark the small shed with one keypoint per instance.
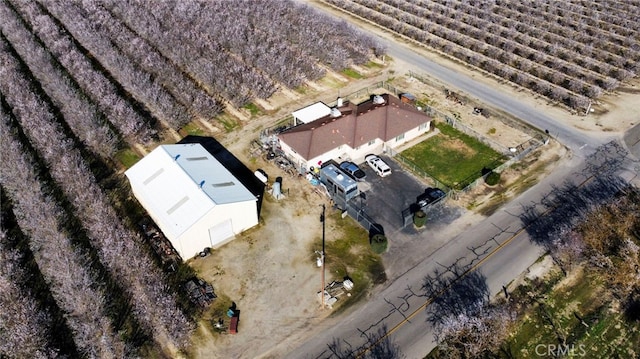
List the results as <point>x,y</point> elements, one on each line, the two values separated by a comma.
<point>408,98</point>
<point>311,113</point>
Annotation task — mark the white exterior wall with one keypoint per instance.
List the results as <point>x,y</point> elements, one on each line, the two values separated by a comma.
<point>243,216</point>
<point>356,155</point>
<point>330,155</point>
<point>376,148</point>
<point>168,232</point>
<point>408,136</point>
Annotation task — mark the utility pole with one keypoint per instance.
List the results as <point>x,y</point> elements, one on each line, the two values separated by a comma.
<point>322,255</point>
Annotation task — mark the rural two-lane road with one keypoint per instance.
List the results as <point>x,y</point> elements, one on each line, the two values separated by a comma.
<point>569,136</point>
<point>498,246</point>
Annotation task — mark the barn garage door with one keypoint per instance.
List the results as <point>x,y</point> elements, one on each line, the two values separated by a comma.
<point>220,232</point>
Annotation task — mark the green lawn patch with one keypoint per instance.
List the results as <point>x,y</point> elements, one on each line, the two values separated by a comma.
<point>352,73</point>
<point>253,109</point>
<point>193,129</point>
<point>228,122</point>
<point>127,157</point>
<point>331,81</point>
<point>452,157</point>
<point>373,65</point>
<point>303,89</point>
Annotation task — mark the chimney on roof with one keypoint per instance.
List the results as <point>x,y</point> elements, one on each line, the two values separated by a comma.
<point>339,102</point>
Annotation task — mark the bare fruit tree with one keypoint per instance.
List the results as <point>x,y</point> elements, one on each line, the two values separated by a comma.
<point>534,47</point>
<point>466,323</point>
<point>80,114</point>
<point>65,269</point>
<point>117,246</point>
<point>144,87</point>
<point>92,82</point>
<point>23,325</point>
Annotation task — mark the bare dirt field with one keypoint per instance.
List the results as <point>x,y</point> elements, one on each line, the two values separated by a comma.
<point>270,271</point>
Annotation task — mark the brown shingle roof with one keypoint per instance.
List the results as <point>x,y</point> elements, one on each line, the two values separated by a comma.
<point>357,125</point>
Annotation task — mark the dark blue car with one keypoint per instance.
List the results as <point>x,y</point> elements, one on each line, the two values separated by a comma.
<point>353,170</point>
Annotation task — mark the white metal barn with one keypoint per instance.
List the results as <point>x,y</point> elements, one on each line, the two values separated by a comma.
<point>192,197</point>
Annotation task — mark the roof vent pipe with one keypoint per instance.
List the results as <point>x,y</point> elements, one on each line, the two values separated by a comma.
<point>339,102</point>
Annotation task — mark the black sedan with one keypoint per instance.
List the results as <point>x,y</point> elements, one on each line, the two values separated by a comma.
<point>430,195</point>
<point>353,170</point>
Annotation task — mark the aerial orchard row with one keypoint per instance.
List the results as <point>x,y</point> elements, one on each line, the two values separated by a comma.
<point>530,48</point>
<point>65,269</point>
<point>80,114</point>
<point>606,43</point>
<point>141,85</point>
<point>538,59</point>
<point>116,246</point>
<point>279,43</point>
<point>194,98</point>
<point>92,82</point>
<point>21,315</point>
<point>524,40</point>
<point>180,62</point>
<point>508,52</point>
<point>614,20</point>
<point>213,68</point>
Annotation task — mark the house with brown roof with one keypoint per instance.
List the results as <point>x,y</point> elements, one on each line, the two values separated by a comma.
<point>352,131</point>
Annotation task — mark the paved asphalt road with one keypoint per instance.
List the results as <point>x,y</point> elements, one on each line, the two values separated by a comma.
<point>569,136</point>
<point>497,246</point>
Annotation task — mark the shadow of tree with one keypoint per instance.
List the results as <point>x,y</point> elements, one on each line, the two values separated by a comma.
<point>377,346</point>
<point>454,293</point>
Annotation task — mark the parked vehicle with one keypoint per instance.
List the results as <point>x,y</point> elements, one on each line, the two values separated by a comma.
<point>353,170</point>
<point>339,185</point>
<point>378,165</point>
<point>430,195</point>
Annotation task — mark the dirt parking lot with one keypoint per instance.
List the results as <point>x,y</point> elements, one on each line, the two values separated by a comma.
<point>270,273</point>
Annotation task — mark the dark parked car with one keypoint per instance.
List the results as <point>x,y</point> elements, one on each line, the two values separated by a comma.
<point>353,170</point>
<point>430,195</point>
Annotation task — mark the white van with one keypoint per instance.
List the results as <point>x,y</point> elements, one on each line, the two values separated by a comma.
<point>378,165</point>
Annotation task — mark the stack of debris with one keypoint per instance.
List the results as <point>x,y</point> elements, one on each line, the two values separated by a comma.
<point>161,245</point>
<point>334,290</point>
<point>200,292</point>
